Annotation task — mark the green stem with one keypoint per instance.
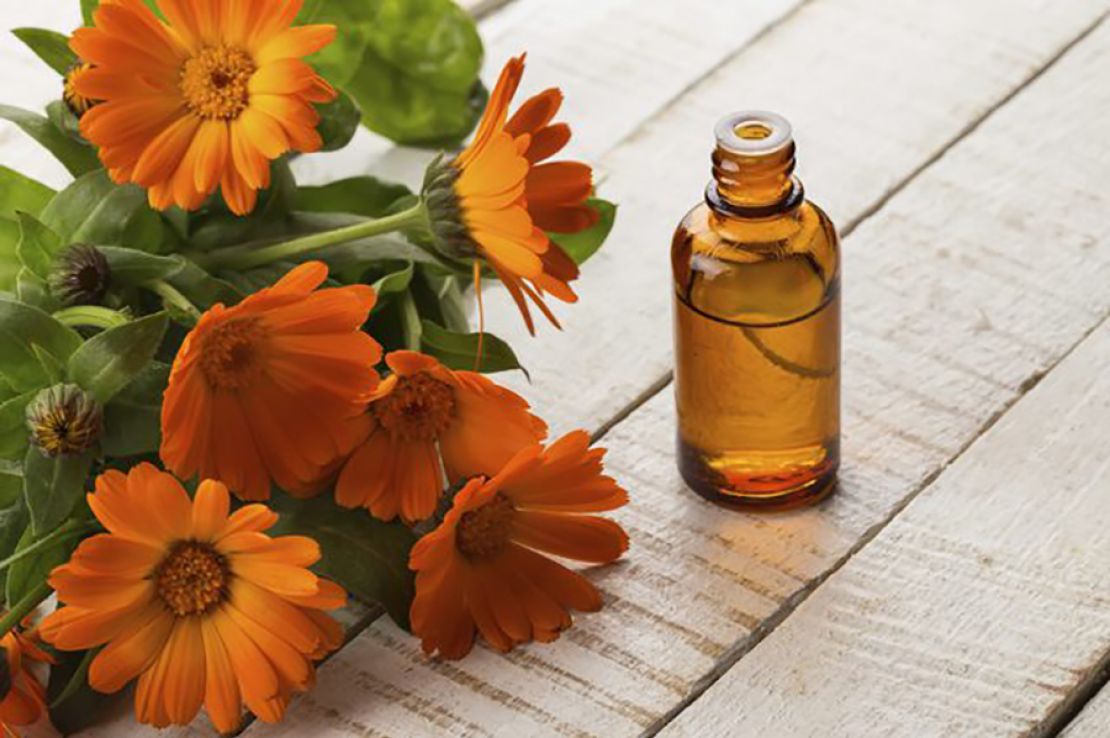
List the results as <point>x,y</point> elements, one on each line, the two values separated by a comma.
<point>410,321</point>
<point>19,610</point>
<point>72,529</point>
<point>172,298</point>
<point>93,316</point>
<point>248,257</point>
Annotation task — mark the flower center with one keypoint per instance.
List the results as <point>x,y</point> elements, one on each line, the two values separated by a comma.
<point>214,82</point>
<point>419,408</point>
<point>192,579</point>
<point>78,104</point>
<point>483,533</point>
<point>229,354</point>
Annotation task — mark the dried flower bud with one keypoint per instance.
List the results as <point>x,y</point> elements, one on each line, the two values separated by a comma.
<point>77,104</point>
<point>452,237</point>
<point>81,276</point>
<point>64,420</point>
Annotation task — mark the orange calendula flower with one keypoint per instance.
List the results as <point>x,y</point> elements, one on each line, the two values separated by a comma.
<point>424,411</point>
<point>482,570</point>
<point>25,701</point>
<point>272,388</point>
<point>497,198</point>
<point>196,602</point>
<point>203,101</point>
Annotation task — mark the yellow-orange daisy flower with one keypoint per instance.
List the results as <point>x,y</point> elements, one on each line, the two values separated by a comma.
<point>421,413</point>
<point>497,198</point>
<point>195,601</point>
<point>272,388</point>
<point>25,701</point>
<point>482,570</point>
<point>203,101</point>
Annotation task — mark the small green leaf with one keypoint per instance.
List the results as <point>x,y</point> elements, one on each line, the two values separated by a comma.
<point>52,485</point>
<point>64,120</point>
<point>368,196</point>
<point>19,193</point>
<point>22,327</point>
<point>108,361</point>
<point>460,350</point>
<point>339,120</point>
<point>38,245</point>
<point>97,211</point>
<point>584,244</point>
<point>393,282</point>
<point>14,435</point>
<point>133,419</point>
<point>133,267</point>
<point>367,557</point>
<point>76,157</point>
<point>27,573</point>
<point>13,514</point>
<point>52,367</point>
<point>201,288</point>
<point>33,290</point>
<point>50,46</point>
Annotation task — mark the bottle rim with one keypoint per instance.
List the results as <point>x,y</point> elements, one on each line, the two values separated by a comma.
<point>770,132</point>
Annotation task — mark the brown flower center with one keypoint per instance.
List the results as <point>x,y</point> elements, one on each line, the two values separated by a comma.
<point>193,578</point>
<point>214,82</point>
<point>229,354</point>
<point>419,408</point>
<point>483,533</point>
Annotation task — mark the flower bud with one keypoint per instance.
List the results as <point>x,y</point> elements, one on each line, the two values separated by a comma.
<point>449,231</point>
<point>64,420</point>
<point>81,276</point>
<point>77,104</point>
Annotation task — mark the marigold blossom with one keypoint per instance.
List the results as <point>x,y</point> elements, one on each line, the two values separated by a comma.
<point>421,413</point>
<point>483,570</point>
<point>272,388</point>
<point>194,600</point>
<point>202,101</point>
<point>25,701</point>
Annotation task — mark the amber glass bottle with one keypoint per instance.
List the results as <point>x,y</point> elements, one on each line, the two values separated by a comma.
<point>757,328</point>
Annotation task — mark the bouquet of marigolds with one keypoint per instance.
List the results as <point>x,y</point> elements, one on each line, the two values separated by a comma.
<point>229,403</point>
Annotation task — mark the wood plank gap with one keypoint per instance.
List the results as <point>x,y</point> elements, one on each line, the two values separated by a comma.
<point>1067,711</point>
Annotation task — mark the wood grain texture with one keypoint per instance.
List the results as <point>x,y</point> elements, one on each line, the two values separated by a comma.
<point>1093,721</point>
<point>957,298</point>
<point>975,612</point>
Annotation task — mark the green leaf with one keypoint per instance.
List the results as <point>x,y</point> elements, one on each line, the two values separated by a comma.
<point>74,705</point>
<point>27,573</point>
<point>459,350</point>
<point>33,290</point>
<point>9,260</point>
<point>52,367</point>
<point>52,486</point>
<point>582,245</point>
<point>23,327</point>
<point>367,557</point>
<point>201,288</point>
<point>133,267</point>
<point>339,120</point>
<point>13,514</point>
<point>76,157</point>
<point>220,227</point>
<point>14,435</point>
<point>50,46</point>
<point>393,282</point>
<point>38,245</point>
<point>133,419</point>
<point>108,361</point>
<point>368,196</point>
<point>97,211</point>
<point>64,120</point>
<point>21,193</point>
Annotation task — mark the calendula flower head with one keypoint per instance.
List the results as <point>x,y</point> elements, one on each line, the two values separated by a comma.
<point>77,103</point>
<point>483,570</point>
<point>81,275</point>
<point>204,100</point>
<point>22,697</point>
<point>428,422</point>
<point>496,200</point>
<point>194,601</point>
<point>64,420</point>
<point>274,388</point>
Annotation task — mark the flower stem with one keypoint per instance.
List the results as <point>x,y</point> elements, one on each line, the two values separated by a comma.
<point>72,529</point>
<point>93,316</point>
<point>173,299</point>
<point>19,610</point>
<point>249,257</point>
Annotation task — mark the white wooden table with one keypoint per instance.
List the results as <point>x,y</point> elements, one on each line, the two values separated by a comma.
<point>959,582</point>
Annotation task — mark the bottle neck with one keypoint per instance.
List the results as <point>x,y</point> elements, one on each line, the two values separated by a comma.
<point>753,167</point>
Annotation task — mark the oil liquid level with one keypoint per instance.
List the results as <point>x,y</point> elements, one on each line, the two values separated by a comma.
<point>759,405</point>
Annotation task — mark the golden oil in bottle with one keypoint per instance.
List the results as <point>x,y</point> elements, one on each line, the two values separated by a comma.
<point>757,328</point>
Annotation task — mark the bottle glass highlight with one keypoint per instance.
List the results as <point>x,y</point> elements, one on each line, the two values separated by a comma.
<point>757,327</point>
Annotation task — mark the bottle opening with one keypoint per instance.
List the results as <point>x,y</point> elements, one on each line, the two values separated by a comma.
<point>753,133</point>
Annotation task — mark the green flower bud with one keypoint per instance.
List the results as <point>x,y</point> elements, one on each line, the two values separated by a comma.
<point>451,236</point>
<point>81,276</point>
<point>64,420</point>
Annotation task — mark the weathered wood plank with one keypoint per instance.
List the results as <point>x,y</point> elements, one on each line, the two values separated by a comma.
<point>975,612</point>
<point>955,301</point>
<point>1093,721</point>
